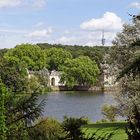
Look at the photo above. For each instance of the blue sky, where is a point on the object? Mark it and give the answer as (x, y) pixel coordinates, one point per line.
(70, 22)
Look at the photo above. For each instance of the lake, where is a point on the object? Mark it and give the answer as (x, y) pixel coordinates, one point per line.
(76, 104)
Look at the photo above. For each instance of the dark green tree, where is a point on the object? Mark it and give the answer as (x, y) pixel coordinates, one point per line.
(73, 127)
(17, 114)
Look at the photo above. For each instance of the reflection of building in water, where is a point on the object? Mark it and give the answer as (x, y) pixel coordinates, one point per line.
(52, 77)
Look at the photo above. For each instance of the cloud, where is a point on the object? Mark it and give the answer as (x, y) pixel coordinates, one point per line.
(135, 5)
(109, 22)
(66, 40)
(39, 24)
(39, 3)
(10, 3)
(40, 33)
(12, 31)
(23, 3)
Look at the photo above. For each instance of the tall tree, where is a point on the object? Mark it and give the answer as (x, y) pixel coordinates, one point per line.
(79, 71)
(128, 43)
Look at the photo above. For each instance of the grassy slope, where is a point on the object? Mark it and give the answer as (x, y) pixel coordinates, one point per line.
(117, 127)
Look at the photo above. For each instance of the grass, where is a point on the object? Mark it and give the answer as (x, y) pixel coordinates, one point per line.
(118, 128)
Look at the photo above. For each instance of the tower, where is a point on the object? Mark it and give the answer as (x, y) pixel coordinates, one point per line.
(103, 39)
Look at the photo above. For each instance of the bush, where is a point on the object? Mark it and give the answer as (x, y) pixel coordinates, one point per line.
(47, 129)
(109, 112)
(73, 127)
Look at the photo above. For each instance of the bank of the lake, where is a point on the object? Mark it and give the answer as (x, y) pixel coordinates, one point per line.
(76, 104)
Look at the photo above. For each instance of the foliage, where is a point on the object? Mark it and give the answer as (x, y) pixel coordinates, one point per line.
(129, 100)
(95, 53)
(109, 112)
(17, 113)
(73, 127)
(3, 128)
(26, 55)
(55, 57)
(133, 68)
(47, 129)
(75, 130)
(79, 71)
(13, 77)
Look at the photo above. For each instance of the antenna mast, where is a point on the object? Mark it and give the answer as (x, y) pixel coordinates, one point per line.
(103, 39)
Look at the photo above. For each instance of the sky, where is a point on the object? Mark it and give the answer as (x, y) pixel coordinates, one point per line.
(71, 22)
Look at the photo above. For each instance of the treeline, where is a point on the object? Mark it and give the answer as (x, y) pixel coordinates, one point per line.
(95, 53)
(78, 65)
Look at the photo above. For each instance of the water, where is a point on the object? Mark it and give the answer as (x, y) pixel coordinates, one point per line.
(76, 104)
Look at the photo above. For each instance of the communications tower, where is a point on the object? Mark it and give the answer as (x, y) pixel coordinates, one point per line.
(103, 38)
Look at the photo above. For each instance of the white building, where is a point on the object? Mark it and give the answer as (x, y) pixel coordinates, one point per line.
(53, 77)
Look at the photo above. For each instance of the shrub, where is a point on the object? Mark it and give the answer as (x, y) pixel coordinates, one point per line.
(47, 129)
(73, 127)
(109, 112)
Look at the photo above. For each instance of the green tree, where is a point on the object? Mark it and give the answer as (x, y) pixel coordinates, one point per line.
(14, 77)
(26, 55)
(55, 57)
(79, 71)
(17, 114)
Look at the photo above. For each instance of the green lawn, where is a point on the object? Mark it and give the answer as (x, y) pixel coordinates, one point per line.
(118, 128)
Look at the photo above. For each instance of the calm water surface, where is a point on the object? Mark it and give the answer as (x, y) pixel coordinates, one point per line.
(76, 104)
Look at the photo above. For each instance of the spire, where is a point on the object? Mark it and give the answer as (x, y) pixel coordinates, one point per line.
(103, 39)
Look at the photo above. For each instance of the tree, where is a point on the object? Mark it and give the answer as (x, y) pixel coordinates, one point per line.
(79, 71)
(17, 114)
(129, 98)
(26, 55)
(13, 76)
(55, 57)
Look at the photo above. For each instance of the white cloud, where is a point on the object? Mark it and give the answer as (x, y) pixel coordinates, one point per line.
(10, 3)
(12, 31)
(24, 3)
(66, 40)
(39, 3)
(109, 22)
(40, 33)
(39, 24)
(135, 5)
